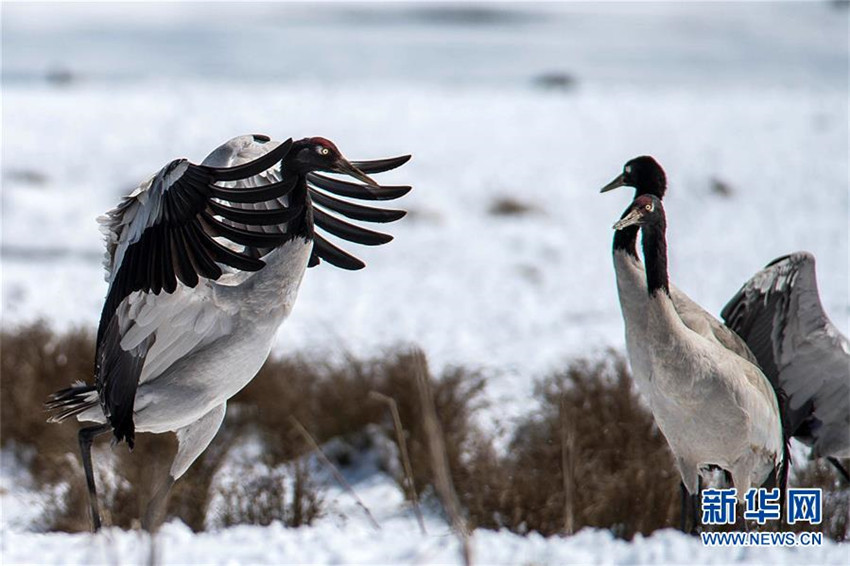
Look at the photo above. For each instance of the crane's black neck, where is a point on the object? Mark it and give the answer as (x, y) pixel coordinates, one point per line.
(655, 255)
(302, 225)
(625, 240)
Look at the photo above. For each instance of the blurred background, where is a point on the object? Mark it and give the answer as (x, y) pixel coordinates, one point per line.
(501, 45)
(516, 114)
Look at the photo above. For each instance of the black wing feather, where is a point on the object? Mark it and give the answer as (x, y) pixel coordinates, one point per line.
(242, 236)
(250, 168)
(356, 190)
(223, 254)
(348, 231)
(335, 256)
(779, 314)
(204, 265)
(255, 217)
(183, 265)
(381, 165)
(169, 283)
(356, 211)
(117, 394)
(260, 194)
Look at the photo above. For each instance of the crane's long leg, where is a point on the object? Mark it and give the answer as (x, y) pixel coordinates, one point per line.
(690, 488)
(192, 441)
(86, 437)
(695, 507)
(690, 508)
(155, 511)
(684, 498)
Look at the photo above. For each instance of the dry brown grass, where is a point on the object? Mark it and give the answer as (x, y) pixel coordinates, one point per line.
(262, 498)
(34, 363)
(590, 455)
(619, 468)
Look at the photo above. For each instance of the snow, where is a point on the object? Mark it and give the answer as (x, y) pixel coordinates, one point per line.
(343, 536)
(754, 96)
(398, 542)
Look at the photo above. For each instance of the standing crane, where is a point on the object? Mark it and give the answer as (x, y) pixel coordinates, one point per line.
(714, 406)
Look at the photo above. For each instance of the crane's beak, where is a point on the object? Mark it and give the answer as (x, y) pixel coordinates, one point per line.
(632, 218)
(620, 181)
(345, 167)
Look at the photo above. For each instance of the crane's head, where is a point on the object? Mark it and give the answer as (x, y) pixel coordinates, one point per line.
(320, 154)
(645, 210)
(644, 174)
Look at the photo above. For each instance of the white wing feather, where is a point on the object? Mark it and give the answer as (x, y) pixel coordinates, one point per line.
(124, 224)
(178, 324)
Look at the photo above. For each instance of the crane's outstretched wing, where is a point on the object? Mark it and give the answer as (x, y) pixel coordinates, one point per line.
(323, 203)
(779, 314)
(166, 229)
(170, 233)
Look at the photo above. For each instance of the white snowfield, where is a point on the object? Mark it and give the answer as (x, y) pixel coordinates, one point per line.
(343, 535)
(740, 99)
(398, 542)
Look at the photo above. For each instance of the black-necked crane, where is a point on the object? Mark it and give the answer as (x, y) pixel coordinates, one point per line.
(647, 177)
(778, 312)
(204, 263)
(714, 406)
(781, 300)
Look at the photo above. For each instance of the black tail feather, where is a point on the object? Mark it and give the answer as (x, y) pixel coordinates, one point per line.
(71, 401)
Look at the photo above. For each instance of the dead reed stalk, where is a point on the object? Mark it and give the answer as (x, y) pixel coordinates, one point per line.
(439, 458)
(568, 469)
(334, 470)
(410, 488)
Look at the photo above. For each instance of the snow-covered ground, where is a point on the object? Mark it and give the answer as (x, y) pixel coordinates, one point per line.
(397, 542)
(344, 535)
(757, 101)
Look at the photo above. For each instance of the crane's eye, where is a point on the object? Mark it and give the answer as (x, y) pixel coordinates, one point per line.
(648, 207)
(628, 169)
(323, 150)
